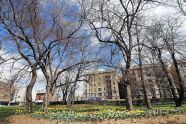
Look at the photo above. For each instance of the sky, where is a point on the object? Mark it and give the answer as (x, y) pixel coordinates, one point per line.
(40, 85)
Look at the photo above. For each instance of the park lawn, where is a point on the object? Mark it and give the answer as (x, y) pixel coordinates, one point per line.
(6, 111)
(91, 113)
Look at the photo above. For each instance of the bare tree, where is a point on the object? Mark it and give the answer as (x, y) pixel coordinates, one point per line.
(24, 22)
(139, 50)
(169, 29)
(15, 20)
(68, 80)
(157, 37)
(160, 77)
(182, 6)
(113, 23)
(71, 54)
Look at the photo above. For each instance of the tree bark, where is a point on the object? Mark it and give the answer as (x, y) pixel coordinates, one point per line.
(64, 99)
(109, 87)
(146, 98)
(48, 87)
(29, 91)
(160, 91)
(170, 81)
(127, 87)
(180, 81)
(48, 95)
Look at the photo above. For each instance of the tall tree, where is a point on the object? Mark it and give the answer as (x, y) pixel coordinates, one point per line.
(17, 18)
(113, 23)
(139, 50)
(169, 29)
(158, 36)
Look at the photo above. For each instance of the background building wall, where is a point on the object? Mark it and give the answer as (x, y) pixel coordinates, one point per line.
(103, 85)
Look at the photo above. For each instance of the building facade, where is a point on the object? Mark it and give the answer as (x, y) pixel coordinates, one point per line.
(40, 97)
(155, 80)
(19, 95)
(103, 85)
(5, 90)
(108, 85)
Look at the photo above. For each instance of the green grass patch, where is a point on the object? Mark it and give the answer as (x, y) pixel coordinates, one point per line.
(6, 111)
(87, 112)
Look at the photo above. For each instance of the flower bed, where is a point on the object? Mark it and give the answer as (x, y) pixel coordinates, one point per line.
(100, 113)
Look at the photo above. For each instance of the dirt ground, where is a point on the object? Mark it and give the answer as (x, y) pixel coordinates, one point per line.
(171, 119)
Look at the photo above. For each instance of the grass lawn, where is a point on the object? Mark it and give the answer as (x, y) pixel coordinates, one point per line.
(6, 111)
(92, 113)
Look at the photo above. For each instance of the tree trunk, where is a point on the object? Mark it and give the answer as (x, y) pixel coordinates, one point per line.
(108, 87)
(47, 92)
(160, 91)
(127, 87)
(129, 104)
(170, 81)
(146, 98)
(64, 99)
(29, 91)
(48, 95)
(180, 81)
(12, 92)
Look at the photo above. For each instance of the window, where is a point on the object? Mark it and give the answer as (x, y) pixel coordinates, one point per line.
(99, 89)
(99, 84)
(90, 78)
(100, 94)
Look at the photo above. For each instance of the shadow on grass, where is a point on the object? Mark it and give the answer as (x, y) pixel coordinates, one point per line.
(4, 114)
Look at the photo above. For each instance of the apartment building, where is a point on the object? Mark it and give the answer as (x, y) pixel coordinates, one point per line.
(103, 85)
(155, 79)
(19, 95)
(4, 92)
(108, 85)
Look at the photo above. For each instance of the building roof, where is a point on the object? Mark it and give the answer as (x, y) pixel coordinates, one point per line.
(144, 66)
(100, 72)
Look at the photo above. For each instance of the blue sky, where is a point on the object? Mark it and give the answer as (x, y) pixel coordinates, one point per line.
(69, 16)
